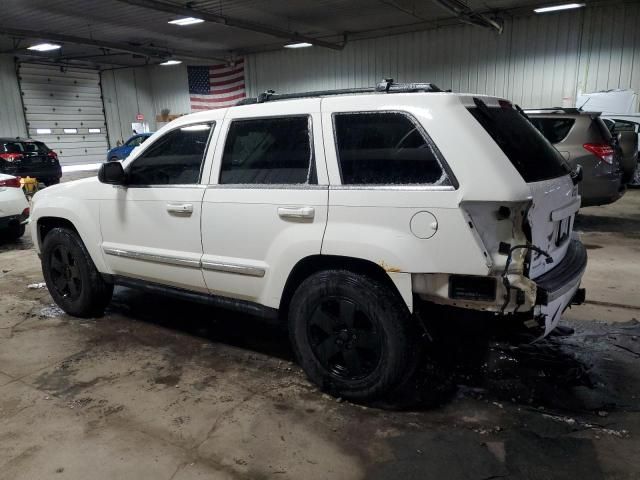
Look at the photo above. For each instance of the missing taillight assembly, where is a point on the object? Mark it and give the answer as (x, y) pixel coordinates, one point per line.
(601, 150)
(469, 287)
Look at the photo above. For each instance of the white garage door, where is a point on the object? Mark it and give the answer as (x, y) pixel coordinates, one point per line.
(63, 108)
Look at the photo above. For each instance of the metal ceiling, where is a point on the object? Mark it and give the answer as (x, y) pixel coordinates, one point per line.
(120, 33)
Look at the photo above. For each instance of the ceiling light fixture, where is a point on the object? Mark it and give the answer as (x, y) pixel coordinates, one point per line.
(555, 8)
(171, 62)
(186, 21)
(299, 45)
(44, 47)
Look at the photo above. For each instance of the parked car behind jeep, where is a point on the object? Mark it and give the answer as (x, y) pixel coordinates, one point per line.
(584, 139)
(627, 128)
(123, 151)
(356, 218)
(23, 157)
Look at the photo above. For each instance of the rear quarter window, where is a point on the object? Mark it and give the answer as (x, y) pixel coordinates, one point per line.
(526, 148)
(554, 129)
(385, 148)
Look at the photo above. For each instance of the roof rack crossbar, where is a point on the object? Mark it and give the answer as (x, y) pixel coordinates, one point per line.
(386, 86)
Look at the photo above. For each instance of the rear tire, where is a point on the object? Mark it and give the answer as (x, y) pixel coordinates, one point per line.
(352, 334)
(71, 276)
(51, 181)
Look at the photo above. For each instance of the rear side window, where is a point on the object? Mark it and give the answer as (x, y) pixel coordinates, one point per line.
(12, 147)
(174, 159)
(554, 129)
(527, 149)
(268, 151)
(385, 148)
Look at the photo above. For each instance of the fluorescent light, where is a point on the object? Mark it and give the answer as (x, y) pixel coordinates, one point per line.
(43, 131)
(94, 130)
(171, 62)
(299, 45)
(186, 21)
(555, 8)
(44, 47)
(70, 130)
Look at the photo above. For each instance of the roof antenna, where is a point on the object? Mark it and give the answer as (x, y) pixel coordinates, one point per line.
(587, 101)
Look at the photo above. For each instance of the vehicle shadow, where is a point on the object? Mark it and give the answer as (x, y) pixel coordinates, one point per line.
(561, 373)
(603, 223)
(210, 323)
(8, 244)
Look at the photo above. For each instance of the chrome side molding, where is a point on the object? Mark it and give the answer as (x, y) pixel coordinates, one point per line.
(234, 268)
(187, 262)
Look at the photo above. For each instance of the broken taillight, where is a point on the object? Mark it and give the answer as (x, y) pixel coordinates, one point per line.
(601, 150)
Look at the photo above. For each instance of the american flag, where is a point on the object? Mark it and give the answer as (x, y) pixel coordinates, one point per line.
(216, 86)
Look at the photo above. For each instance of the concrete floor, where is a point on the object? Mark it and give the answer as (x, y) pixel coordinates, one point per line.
(162, 389)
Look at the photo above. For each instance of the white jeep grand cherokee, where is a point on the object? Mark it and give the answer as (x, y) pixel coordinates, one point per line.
(347, 213)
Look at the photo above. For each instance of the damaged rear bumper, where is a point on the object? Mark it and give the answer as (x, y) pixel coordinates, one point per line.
(559, 288)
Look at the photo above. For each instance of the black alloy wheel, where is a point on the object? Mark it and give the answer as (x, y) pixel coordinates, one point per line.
(65, 273)
(344, 339)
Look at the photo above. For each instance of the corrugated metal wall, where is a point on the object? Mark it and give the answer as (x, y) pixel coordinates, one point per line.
(539, 60)
(170, 89)
(145, 90)
(126, 93)
(12, 122)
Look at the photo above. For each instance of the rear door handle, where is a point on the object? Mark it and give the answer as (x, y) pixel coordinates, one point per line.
(296, 213)
(180, 208)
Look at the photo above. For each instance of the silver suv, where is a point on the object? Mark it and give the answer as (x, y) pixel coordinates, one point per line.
(584, 139)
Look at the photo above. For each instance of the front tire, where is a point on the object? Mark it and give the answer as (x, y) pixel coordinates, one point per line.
(352, 334)
(71, 276)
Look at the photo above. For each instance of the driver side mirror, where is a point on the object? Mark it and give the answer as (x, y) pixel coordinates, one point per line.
(112, 173)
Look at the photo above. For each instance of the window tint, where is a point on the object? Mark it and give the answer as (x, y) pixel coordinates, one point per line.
(385, 148)
(554, 129)
(12, 147)
(23, 147)
(174, 159)
(527, 149)
(622, 126)
(268, 151)
(134, 142)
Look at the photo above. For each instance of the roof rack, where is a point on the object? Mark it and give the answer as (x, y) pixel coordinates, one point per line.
(555, 109)
(386, 86)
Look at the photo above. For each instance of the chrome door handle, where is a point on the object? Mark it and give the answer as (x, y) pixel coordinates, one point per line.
(180, 208)
(297, 213)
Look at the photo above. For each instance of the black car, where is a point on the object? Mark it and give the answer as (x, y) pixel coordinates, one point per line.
(29, 158)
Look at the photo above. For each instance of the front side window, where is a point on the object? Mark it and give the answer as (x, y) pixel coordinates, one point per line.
(174, 159)
(268, 151)
(385, 148)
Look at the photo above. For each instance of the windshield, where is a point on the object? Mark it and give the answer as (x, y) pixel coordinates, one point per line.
(527, 149)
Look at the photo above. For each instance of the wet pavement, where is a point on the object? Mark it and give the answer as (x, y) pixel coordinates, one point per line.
(159, 388)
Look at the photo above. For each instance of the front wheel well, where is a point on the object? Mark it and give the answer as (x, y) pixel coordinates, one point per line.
(46, 224)
(316, 263)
